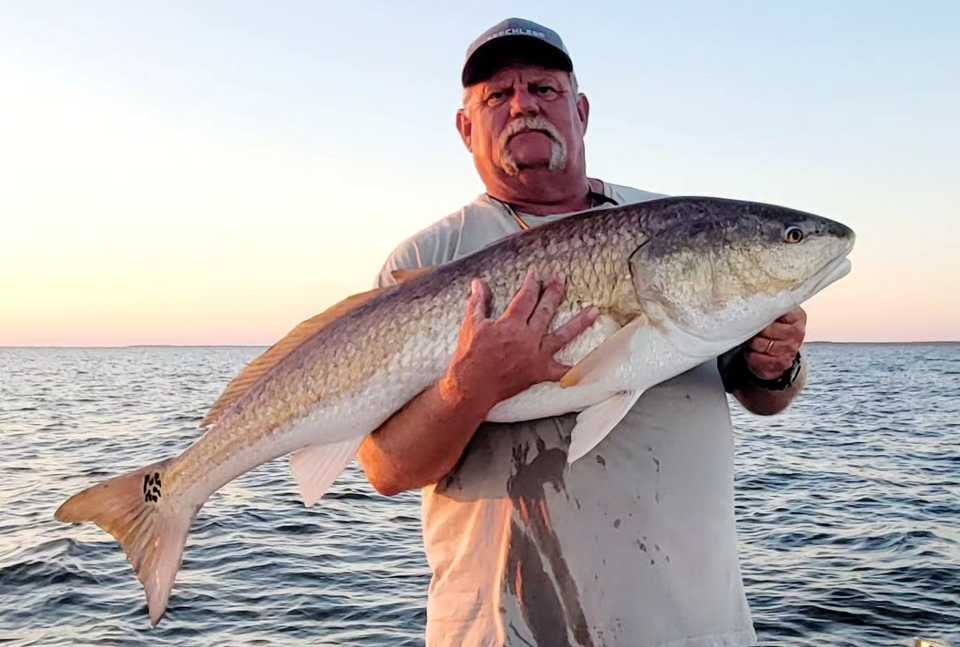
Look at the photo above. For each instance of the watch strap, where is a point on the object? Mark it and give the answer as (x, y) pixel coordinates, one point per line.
(736, 375)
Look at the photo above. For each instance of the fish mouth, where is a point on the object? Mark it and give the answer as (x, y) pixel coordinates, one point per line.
(829, 273)
(837, 268)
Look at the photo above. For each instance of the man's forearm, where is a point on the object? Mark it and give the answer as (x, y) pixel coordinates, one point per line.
(421, 443)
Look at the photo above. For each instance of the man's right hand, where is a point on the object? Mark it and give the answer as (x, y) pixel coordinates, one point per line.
(498, 358)
(494, 360)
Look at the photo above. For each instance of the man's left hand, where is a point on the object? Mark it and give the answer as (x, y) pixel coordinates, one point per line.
(773, 350)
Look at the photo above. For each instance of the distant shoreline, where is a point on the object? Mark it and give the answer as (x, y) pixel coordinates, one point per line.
(131, 346)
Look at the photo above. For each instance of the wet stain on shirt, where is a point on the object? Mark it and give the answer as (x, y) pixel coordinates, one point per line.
(550, 602)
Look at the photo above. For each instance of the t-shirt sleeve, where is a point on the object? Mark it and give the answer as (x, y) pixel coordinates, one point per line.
(405, 257)
(628, 195)
(430, 247)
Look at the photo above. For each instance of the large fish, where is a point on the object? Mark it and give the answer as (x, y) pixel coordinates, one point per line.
(677, 282)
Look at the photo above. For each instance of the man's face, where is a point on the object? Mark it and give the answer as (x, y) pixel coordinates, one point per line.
(524, 118)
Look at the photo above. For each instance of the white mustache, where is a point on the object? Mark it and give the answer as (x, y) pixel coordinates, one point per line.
(524, 124)
(558, 152)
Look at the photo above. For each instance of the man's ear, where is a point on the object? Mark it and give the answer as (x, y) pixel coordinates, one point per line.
(583, 110)
(464, 127)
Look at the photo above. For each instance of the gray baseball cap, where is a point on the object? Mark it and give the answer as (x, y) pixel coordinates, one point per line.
(511, 39)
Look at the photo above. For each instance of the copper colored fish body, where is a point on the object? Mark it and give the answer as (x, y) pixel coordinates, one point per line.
(677, 281)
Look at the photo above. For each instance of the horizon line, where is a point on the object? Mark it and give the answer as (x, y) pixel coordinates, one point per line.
(121, 346)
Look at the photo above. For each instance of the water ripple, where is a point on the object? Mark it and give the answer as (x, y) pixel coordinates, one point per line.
(848, 509)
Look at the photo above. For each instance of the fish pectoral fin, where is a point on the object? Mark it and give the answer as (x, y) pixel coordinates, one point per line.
(595, 422)
(316, 467)
(605, 358)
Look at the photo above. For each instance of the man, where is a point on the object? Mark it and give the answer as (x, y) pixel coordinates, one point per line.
(635, 543)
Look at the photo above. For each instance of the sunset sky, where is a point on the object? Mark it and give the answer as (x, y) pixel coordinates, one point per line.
(213, 173)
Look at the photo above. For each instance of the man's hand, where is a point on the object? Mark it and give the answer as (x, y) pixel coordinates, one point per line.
(494, 360)
(772, 351)
(498, 358)
(768, 356)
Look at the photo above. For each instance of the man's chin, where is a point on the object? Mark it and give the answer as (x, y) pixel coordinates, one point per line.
(531, 167)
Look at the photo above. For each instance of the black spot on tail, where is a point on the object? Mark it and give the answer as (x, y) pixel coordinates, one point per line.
(151, 487)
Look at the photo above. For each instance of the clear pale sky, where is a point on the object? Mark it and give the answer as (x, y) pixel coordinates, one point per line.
(213, 173)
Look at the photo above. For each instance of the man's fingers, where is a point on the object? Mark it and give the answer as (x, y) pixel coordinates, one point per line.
(478, 305)
(568, 331)
(547, 307)
(761, 344)
(781, 331)
(775, 347)
(556, 370)
(525, 300)
(766, 367)
(795, 315)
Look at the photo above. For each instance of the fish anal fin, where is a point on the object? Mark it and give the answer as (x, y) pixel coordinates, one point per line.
(260, 366)
(403, 275)
(150, 525)
(315, 467)
(595, 422)
(605, 358)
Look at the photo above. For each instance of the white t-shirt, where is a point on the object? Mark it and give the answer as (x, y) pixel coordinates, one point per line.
(633, 545)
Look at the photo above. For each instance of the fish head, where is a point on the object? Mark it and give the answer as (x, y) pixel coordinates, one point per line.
(724, 269)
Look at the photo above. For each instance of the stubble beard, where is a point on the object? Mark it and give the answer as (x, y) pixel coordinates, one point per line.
(558, 148)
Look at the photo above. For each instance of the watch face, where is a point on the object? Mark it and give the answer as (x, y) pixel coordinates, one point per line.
(791, 375)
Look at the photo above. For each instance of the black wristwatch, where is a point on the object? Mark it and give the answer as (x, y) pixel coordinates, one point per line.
(736, 375)
(781, 383)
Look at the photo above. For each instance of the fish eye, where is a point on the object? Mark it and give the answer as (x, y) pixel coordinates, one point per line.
(792, 234)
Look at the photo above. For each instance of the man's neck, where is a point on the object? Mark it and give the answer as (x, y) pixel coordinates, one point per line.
(548, 200)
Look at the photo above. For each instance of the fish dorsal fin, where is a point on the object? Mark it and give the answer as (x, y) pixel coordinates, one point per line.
(259, 367)
(401, 276)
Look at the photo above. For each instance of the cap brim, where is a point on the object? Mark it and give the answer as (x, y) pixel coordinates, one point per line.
(490, 57)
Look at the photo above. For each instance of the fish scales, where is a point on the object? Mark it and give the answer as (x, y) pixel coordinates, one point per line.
(343, 356)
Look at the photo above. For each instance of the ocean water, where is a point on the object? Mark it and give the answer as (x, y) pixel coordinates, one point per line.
(848, 511)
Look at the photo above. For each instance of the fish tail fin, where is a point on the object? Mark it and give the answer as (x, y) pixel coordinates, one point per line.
(150, 526)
